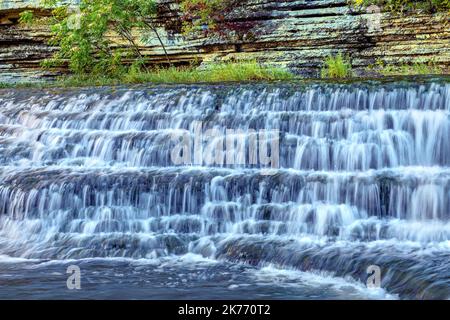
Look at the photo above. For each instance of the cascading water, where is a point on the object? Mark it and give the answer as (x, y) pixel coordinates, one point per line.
(363, 179)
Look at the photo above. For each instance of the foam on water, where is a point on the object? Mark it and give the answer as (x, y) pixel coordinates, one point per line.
(347, 286)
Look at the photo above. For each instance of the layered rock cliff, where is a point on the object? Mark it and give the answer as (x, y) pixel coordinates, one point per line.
(297, 35)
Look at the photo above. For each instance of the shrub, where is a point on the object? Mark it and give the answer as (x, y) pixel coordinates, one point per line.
(83, 38)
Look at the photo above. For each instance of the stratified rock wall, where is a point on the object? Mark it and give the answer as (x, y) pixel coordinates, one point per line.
(293, 34)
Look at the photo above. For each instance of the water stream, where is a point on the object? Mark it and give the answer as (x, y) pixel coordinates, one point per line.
(88, 177)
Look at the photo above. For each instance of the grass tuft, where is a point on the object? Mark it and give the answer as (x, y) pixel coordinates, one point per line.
(336, 67)
(222, 72)
(413, 69)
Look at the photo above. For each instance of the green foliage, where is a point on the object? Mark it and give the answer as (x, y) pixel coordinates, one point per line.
(417, 68)
(84, 36)
(402, 6)
(221, 72)
(26, 17)
(336, 67)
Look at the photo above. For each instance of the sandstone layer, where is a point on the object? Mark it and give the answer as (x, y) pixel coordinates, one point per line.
(297, 35)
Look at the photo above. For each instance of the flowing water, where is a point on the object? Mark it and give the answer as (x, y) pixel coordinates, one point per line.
(88, 178)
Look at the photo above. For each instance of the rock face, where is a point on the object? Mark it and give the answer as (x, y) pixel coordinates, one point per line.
(297, 35)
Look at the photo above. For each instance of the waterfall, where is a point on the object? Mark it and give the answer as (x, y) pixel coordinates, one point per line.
(363, 177)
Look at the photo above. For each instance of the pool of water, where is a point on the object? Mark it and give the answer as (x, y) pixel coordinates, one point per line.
(185, 277)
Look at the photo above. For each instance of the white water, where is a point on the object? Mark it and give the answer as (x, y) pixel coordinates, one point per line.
(364, 178)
